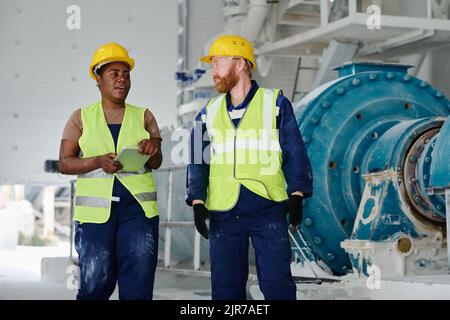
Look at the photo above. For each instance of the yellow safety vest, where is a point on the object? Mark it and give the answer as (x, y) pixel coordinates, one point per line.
(249, 154)
(94, 188)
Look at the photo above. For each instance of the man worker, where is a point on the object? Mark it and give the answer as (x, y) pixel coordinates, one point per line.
(116, 215)
(257, 171)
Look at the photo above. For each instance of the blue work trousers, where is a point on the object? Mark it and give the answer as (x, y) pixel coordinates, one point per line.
(229, 244)
(123, 250)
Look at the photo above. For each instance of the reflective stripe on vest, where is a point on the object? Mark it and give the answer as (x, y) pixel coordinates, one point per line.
(249, 154)
(99, 173)
(94, 188)
(92, 202)
(248, 144)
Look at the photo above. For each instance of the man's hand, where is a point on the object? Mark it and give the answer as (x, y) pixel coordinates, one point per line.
(108, 164)
(147, 147)
(295, 209)
(200, 216)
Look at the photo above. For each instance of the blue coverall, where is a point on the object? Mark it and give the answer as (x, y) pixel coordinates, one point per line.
(124, 249)
(253, 217)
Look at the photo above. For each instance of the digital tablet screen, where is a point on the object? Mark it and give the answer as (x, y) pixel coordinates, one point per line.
(131, 160)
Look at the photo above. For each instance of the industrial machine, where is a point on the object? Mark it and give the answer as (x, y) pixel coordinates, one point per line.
(378, 141)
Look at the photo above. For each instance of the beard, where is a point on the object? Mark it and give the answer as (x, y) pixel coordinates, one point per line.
(226, 83)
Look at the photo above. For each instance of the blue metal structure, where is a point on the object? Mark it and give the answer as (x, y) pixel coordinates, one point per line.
(440, 165)
(372, 130)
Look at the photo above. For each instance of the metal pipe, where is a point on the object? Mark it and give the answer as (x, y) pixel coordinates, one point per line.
(168, 235)
(72, 207)
(318, 280)
(182, 51)
(196, 250)
(429, 9)
(324, 12)
(254, 22)
(49, 211)
(352, 8)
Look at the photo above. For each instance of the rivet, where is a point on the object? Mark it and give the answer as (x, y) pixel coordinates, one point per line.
(330, 256)
(315, 120)
(422, 263)
(308, 222)
(439, 206)
(427, 159)
(438, 94)
(426, 177)
(16, 75)
(340, 91)
(306, 139)
(412, 158)
(372, 76)
(390, 75)
(416, 199)
(424, 84)
(326, 104)
(74, 47)
(406, 77)
(17, 43)
(317, 240)
(356, 82)
(413, 180)
(15, 115)
(130, 19)
(73, 78)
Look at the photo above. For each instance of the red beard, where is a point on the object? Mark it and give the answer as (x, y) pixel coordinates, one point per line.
(225, 84)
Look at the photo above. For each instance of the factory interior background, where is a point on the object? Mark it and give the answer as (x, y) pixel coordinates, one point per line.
(368, 82)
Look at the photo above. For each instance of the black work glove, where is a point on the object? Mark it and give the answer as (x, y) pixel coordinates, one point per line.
(295, 209)
(200, 216)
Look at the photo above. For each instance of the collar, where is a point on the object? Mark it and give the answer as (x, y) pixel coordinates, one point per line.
(247, 99)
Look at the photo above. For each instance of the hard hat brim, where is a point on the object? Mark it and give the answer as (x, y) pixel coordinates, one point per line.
(129, 61)
(207, 59)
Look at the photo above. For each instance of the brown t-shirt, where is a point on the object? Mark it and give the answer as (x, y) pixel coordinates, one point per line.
(74, 126)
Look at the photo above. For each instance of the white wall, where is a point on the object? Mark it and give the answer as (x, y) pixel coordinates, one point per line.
(45, 71)
(205, 20)
(436, 68)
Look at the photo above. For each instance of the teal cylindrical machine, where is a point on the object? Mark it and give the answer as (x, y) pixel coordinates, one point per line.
(371, 136)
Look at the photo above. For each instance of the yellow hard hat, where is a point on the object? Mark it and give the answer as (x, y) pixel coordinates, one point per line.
(233, 46)
(110, 52)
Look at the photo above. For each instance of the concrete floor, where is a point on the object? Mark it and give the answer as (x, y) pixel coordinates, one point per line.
(20, 278)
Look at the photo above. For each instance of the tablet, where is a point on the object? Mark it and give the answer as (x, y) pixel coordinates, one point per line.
(131, 160)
